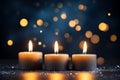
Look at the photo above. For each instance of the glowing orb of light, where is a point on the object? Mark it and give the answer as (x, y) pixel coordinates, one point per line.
(72, 23)
(39, 22)
(88, 34)
(55, 19)
(78, 28)
(113, 37)
(95, 39)
(9, 42)
(109, 14)
(100, 60)
(39, 43)
(103, 27)
(63, 16)
(23, 22)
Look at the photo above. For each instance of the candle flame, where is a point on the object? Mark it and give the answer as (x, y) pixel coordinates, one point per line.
(30, 46)
(56, 47)
(85, 47)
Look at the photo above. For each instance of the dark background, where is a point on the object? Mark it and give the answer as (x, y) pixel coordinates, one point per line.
(12, 11)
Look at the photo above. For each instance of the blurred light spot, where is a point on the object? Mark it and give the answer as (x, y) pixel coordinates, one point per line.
(55, 19)
(46, 24)
(109, 14)
(88, 34)
(39, 43)
(100, 60)
(9, 42)
(34, 26)
(39, 22)
(23, 22)
(41, 31)
(63, 16)
(60, 47)
(95, 39)
(34, 38)
(37, 4)
(72, 23)
(56, 10)
(82, 7)
(103, 27)
(56, 76)
(76, 21)
(60, 5)
(44, 45)
(81, 44)
(78, 28)
(113, 38)
(66, 35)
(56, 33)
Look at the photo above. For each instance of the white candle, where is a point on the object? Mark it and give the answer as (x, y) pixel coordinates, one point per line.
(56, 61)
(84, 62)
(30, 60)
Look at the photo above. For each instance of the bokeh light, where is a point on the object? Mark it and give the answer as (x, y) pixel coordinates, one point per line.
(46, 24)
(109, 14)
(78, 28)
(95, 39)
(82, 7)
(63, 16)
(81, 44)
(43, 45)
(60, 47)
(100, 60)
(66, 35)
(23, 22)
(41, 31)
(56, 10)
(9, 42)
(56, 33)
(103, 27)
(55, 19)
(39, 43)
(76, 21)
(113, 38)
(72, 23)
(39, 22)
(60, 5)
(34, 26)
(88, 34)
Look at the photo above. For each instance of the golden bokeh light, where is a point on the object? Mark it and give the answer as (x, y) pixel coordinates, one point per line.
(66, 35)
(78, 28)
(82, 7)
(39, 22)
(100, 60)
(23, 22)
(113, 38)
(95, 39)
(60, 5)
(63, 16)
(81, 44)
(60, 47)
(55, 19)
(88, 34)
(109, 14)
(39, 43)
(9, 42)
(72, 23)
(76, 21)
(103, 27)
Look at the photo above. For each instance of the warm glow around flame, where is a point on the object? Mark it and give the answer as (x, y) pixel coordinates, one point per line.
(85, 47)
(30, 46)
(56, 47)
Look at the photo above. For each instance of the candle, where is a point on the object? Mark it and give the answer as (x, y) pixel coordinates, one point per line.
(56, 61)
(84, 62)
(30, 60)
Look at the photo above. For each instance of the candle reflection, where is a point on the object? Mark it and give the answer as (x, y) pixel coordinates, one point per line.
(30, 76)
(56, 76)
(85, 76)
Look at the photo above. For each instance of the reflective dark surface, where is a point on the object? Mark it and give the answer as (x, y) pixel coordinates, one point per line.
(12, 72)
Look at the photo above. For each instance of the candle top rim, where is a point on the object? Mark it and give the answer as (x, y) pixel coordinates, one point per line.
(83, 54)
(55, 54)
(30, 52)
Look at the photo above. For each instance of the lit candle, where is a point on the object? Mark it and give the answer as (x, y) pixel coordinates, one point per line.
(30, 60)
(84, 62)
(56, 61)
